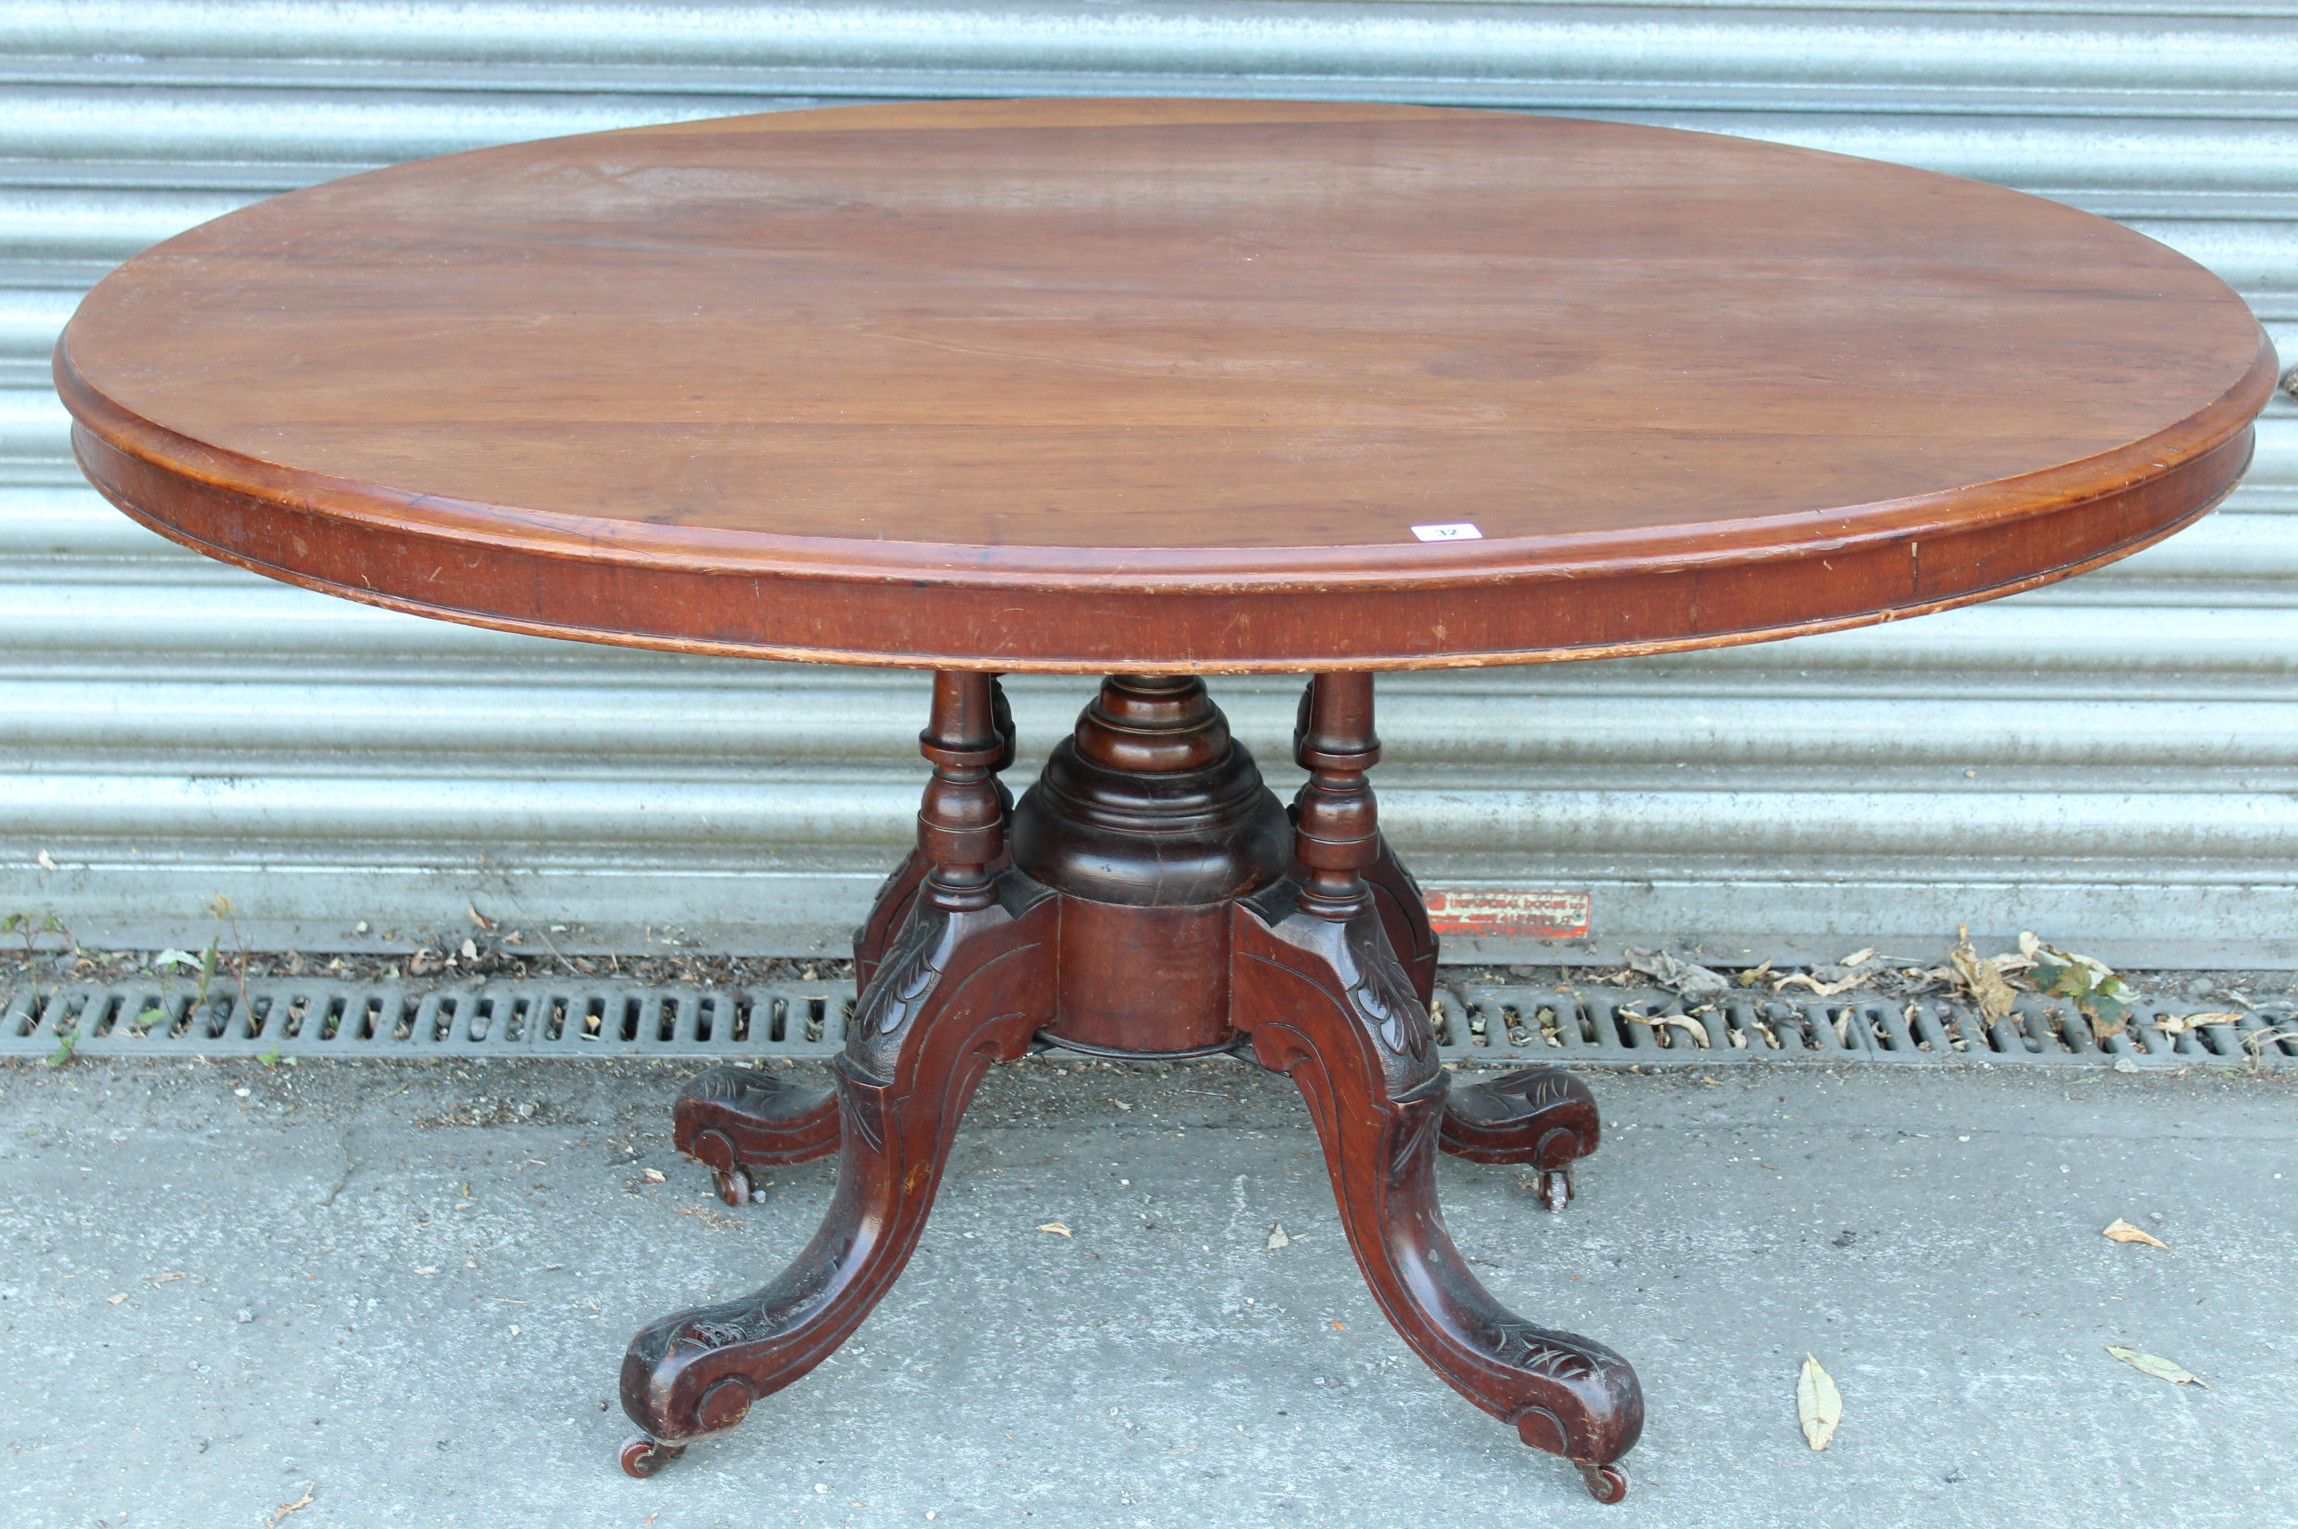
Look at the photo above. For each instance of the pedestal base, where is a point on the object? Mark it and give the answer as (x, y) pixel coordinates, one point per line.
(1147, 897)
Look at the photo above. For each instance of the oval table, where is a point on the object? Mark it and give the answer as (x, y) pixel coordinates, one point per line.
(1158, 389)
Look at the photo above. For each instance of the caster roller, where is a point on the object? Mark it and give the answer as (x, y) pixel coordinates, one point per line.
(1606, 1483)
(643, 1457)
(733, 1184)
(1555, 1188)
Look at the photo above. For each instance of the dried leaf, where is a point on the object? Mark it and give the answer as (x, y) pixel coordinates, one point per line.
(1857, 957)
(1755, 974)
(1277, 1238)
(2120, 1230)
(1690, 1026)
(1818, 1405)
(296, 1506)
(1057, 1229)
(2157, 1366)
(114, 1300)
(1691, 980)
(163, 1279)
(2180, 1024)
(651, 1175)
(1981, 977)
(1823, 989)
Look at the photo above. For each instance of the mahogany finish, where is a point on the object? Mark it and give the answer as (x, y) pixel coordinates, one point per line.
(1154, 900)
(1157, 389)
(1162, 385)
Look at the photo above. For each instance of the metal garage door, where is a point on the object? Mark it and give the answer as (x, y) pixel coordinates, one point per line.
(2111, 761)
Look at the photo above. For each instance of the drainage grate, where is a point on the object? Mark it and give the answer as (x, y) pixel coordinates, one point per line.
(1653, 1029)
(305, 1018)
(310, 1018)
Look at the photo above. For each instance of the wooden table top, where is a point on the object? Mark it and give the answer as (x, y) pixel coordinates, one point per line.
(1162, 385)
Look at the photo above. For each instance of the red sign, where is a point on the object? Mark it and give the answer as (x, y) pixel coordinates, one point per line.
(1524, 915)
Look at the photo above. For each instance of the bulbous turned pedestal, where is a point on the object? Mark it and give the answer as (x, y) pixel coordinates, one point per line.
(1149, 820)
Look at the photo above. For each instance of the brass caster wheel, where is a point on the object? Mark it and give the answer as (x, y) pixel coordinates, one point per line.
(1606, 1483)
(643, 1457)
(733, 1184)
(1555, 1188)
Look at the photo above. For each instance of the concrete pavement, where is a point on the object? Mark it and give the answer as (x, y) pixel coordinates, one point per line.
(405, 1290)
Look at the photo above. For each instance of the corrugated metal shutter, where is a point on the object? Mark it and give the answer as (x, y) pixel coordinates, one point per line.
(2110, 761)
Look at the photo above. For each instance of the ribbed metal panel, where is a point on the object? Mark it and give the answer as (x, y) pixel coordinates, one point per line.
(2110, 761)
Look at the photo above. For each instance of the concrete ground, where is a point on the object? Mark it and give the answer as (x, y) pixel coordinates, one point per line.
(401, 1292)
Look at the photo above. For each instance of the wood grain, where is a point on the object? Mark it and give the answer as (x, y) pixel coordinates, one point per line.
(1108, 384)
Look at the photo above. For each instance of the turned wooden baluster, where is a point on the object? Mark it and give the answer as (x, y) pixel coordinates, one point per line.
(892, 903)
(1338, 829)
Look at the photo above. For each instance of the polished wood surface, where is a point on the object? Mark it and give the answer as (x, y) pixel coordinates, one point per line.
(1147, 896)
(1162, 385)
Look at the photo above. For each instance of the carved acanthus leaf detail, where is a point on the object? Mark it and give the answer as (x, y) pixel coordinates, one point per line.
(1522, 1346)
(899, 990)
(1538, 1090)
(712, 1334)
(1384, 996)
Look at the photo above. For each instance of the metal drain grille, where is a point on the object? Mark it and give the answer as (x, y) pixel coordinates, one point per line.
(302, 1017)
(1653, 1029)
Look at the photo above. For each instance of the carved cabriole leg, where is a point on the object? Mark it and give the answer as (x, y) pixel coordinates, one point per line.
(1316, 983)
(891, 907)
(966, 984)
(736, 1119)
(1542, 1116)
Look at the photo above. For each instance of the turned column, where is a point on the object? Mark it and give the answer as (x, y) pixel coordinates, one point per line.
(961, 820)
(1337, 838)
(1149, 820)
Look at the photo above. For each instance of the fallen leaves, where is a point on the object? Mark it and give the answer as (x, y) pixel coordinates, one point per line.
(2157, 1366)
(651, 1175)
(1692, 981)
(2180, 1024)
(1684, 1022)
(1981, 977)
(1057, 1229)
(1278, 1238)
(297, 1506)
(2120, 1230)
(2103, 997)
(1821, 989)
(1818, 1405)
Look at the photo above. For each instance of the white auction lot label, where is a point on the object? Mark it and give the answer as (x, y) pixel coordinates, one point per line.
(1458, 531)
